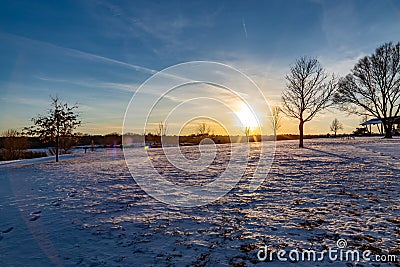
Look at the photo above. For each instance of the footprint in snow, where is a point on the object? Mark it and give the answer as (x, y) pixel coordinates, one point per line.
(34, 218)
(8, 230)
(5, 232)
(35, 215)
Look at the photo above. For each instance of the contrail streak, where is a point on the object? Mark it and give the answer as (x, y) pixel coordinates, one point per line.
(85, 55)
(76, 52)
(244, 27)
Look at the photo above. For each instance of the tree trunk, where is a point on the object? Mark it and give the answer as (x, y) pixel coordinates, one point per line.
(301, 130)
(57, 145)
(388, 130)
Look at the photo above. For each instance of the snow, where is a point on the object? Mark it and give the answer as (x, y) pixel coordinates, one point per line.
(88, 211)
(20, 162)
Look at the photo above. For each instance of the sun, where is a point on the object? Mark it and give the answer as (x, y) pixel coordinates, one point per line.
(247, 117)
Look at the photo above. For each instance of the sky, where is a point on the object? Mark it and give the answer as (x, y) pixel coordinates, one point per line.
(99, 53)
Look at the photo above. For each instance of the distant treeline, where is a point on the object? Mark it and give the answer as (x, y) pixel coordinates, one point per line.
(15, 146)
(282, 137)
(84, 140)
(114, 140)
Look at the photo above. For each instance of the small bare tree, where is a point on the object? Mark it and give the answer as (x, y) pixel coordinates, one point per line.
(161, 129)
(247, 131)
(373, 87)
(336, 126)
(308, 91)
(59, 122)
(277, 118)
(203, 129)
(14, 144)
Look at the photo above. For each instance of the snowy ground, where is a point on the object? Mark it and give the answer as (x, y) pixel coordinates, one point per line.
(88, 211)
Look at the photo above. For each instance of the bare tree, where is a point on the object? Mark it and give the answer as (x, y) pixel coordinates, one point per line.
(247, 131)
(373, 86)
(277, 118)
(308, 91)
(59, 122)
(336, 126)
(14, 144)
(203, 129)
(161, 129)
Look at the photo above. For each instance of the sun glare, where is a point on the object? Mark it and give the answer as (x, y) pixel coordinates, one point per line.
(247, 117)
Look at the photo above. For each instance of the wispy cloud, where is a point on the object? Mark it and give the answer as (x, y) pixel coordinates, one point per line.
(163, 32)
(24, 41)
(21, 40)
(92, 84)
(341, 66)
(29, 101)
(244, 27)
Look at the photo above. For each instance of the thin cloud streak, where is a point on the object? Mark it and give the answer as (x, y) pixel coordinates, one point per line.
(244, 27)
(77, 53)
(93, 84)
(81, 54)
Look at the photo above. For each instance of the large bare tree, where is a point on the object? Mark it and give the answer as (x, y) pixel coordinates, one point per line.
(373, 86)
(308, 90)
(59, 122)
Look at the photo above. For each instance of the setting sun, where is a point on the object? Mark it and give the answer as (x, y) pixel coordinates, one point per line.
(247, 117)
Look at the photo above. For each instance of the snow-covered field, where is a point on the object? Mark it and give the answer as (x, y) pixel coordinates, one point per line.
(88, 211)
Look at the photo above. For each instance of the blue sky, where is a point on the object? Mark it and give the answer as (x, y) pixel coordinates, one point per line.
(97, 53)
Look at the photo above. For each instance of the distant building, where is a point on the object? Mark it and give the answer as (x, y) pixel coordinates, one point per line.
(378, 123)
